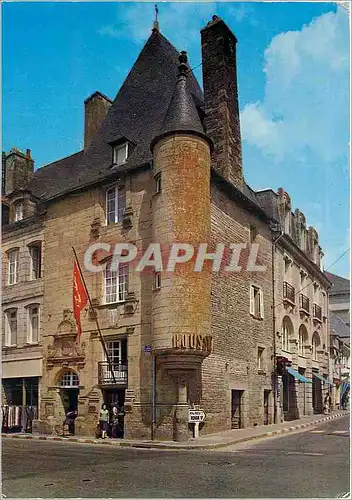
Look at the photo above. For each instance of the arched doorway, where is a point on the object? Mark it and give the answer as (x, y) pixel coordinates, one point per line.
(289, 397)
(317, 387)
(303, 389)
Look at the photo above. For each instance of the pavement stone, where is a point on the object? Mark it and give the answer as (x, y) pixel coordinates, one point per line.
(210, 441)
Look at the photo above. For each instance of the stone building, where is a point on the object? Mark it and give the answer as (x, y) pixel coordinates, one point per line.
(162, 163)
(300, 309)
(22, 292)
(340, 352)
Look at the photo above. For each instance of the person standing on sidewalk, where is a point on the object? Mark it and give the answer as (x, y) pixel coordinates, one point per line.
(104, 420)
(327, 404)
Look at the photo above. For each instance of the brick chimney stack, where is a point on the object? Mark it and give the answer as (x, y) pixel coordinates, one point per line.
(222, 121)
(96, 107)
(19, 170)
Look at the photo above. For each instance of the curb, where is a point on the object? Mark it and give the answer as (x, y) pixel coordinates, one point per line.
(160, 445)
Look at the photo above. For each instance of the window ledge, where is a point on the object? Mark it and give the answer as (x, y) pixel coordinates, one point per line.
(12, 346)
(107, 305)
(256, 317)
(118, 223)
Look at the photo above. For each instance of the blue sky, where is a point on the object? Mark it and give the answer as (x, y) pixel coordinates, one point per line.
(293, 71)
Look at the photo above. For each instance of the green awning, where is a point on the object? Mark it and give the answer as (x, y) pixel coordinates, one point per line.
(320, 378)
(297, 375)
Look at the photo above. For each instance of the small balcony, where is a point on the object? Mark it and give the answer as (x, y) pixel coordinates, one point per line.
(289, 292)
(115, 377)
(317, 312)
(304, 303)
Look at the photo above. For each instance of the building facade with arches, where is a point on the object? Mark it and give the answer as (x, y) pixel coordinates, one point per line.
(301, 317)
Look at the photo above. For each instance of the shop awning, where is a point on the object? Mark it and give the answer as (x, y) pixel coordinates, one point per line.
(320, 378)
(297, 375)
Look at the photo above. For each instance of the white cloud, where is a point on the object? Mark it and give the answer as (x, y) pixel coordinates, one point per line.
(306, 103)
(179, 21)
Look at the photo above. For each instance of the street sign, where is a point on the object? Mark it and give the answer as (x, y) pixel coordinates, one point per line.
(196, 416)
(148, 348)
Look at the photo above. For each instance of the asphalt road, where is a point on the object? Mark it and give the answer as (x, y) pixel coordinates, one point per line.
(309, 464)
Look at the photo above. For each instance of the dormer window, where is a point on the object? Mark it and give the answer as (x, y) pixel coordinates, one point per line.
(120, 154)
(18, 211)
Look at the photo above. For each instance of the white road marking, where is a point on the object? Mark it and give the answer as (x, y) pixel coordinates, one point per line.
(303, 453)
(340, 432)
(317, 432)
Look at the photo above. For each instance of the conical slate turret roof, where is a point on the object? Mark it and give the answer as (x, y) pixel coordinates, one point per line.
(182, 114)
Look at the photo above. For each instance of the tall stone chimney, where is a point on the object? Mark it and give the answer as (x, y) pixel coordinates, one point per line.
(222, 121)
(19, 170)
(96, 107)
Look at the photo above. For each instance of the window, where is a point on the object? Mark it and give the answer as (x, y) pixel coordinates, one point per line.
(18, 211)
(315, 346)
(69, 379)
(252, 233)
(302, 339)
(33, 324)
(11, 327)
(157, 183)
(12, 276)
(114, 351)
(116, 283)
(120, 154)
(115, 205)
(256, 302)
(286, 333)
(35, 252)
(157, 281)
(261, 358)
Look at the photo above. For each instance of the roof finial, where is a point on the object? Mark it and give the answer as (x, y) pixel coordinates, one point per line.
(182, 67)
(156, 22)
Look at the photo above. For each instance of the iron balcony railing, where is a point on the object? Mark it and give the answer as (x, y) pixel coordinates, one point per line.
(317, 312)
(289, 292)
(106, 376)
(304, 303)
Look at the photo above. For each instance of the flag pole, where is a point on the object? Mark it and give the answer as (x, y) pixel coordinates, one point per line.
(95, 317)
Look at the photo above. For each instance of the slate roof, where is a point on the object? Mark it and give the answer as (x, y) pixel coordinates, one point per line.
(136, 114)
(340, 284)
(182, 114)
(151, 100)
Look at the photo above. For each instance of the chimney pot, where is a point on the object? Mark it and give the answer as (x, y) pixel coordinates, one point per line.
(28, 153)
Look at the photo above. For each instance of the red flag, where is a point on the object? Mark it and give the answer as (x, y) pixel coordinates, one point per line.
(80, 298)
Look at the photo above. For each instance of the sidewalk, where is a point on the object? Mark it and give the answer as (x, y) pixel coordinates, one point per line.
(210, 441)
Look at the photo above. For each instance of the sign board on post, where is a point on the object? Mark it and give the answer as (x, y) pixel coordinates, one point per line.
(148, 348)
(196, 416)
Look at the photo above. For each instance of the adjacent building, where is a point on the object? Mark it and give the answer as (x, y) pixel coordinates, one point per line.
(340, 354)
(162, 163)
(22, 294)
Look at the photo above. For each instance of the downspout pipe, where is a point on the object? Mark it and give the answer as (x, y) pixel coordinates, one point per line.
(273, 251)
